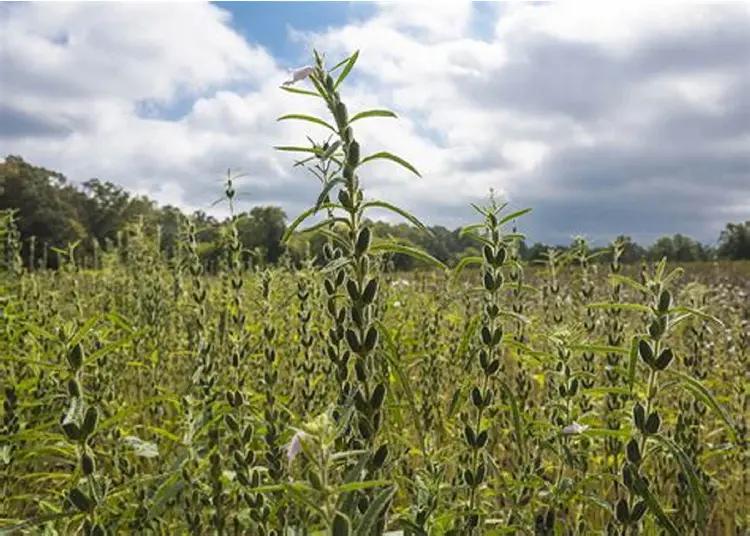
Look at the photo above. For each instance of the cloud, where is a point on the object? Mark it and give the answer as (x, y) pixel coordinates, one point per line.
(613, 120)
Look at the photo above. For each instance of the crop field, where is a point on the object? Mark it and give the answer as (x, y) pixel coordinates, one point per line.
(576, 396)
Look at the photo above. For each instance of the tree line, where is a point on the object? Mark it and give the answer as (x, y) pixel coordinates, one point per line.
(50, 212)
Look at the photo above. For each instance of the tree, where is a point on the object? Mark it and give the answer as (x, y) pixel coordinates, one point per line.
(734, 241)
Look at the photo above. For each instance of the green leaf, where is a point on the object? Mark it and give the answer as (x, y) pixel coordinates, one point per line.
(516, 414)
(308, 118)
(322, 224)
(369, 520)
(705, 396)
(295, 149)
(401, 212)
(698, 313)
(372, 113)
(347, 69)
(617, 278)
(466, 261)
(302, 217)
(656, 509)
(356, 486)
(390, 247)
(144, 449)
(470, 228)
(622, 306)
(384, 155)
(696, 489)
(83, 330)
(514, 215)
(299, 91)
(633, 361)
(392, 355)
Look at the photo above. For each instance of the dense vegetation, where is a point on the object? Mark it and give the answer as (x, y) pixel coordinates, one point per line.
(52, 212)
(331, 394)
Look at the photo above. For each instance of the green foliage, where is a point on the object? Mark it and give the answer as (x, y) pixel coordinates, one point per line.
(188, 385)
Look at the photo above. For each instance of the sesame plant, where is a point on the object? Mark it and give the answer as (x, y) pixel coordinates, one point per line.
(148, 392)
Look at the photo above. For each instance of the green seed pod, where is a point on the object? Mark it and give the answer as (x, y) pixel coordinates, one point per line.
(486, 336)
(476, 397)
(371, 290)
(231, 423)
(371, 339)
(622, 511)
(497, 336)
(87, 464)
(353, 159)
(75, 357)
(89, 421)
(493, 367)
(98, 530)
(484, 358)
(488, 254)
(341, 525)
(471, 437)
(573, 387)
(247, 435)
(653, 423)
(658, 327)
(315, 480)
(492, 310)
(380, 456)
(239, 460)
(639, 416)
(482, 439)
(74, 388)
(645, 351)
(664, 359)
(352, 290)
(330, 290)
(329, 83)
(353, 340)
(634, 452)
(638, 510)
(489, 281)
(342, 116)
(359, 370)
(481, 471)
(500, 257)
(665, 301)
(378, 395)
(344, 199)
(80, 500)
(628, 476)
(363, 242)
(365, 430)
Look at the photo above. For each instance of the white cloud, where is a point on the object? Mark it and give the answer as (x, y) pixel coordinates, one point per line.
(562, 103)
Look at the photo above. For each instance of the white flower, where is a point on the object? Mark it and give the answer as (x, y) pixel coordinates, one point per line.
(575, 428)
(397, 304)
(295, 446)
(300, 74)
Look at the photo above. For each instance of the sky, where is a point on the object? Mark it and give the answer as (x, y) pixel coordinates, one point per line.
(605, 118)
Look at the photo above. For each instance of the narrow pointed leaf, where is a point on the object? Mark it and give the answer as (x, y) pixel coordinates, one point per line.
(383, 155)
(389, 247)
(372, 113)
(347, 69)
(401, 212)
(308, 118)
